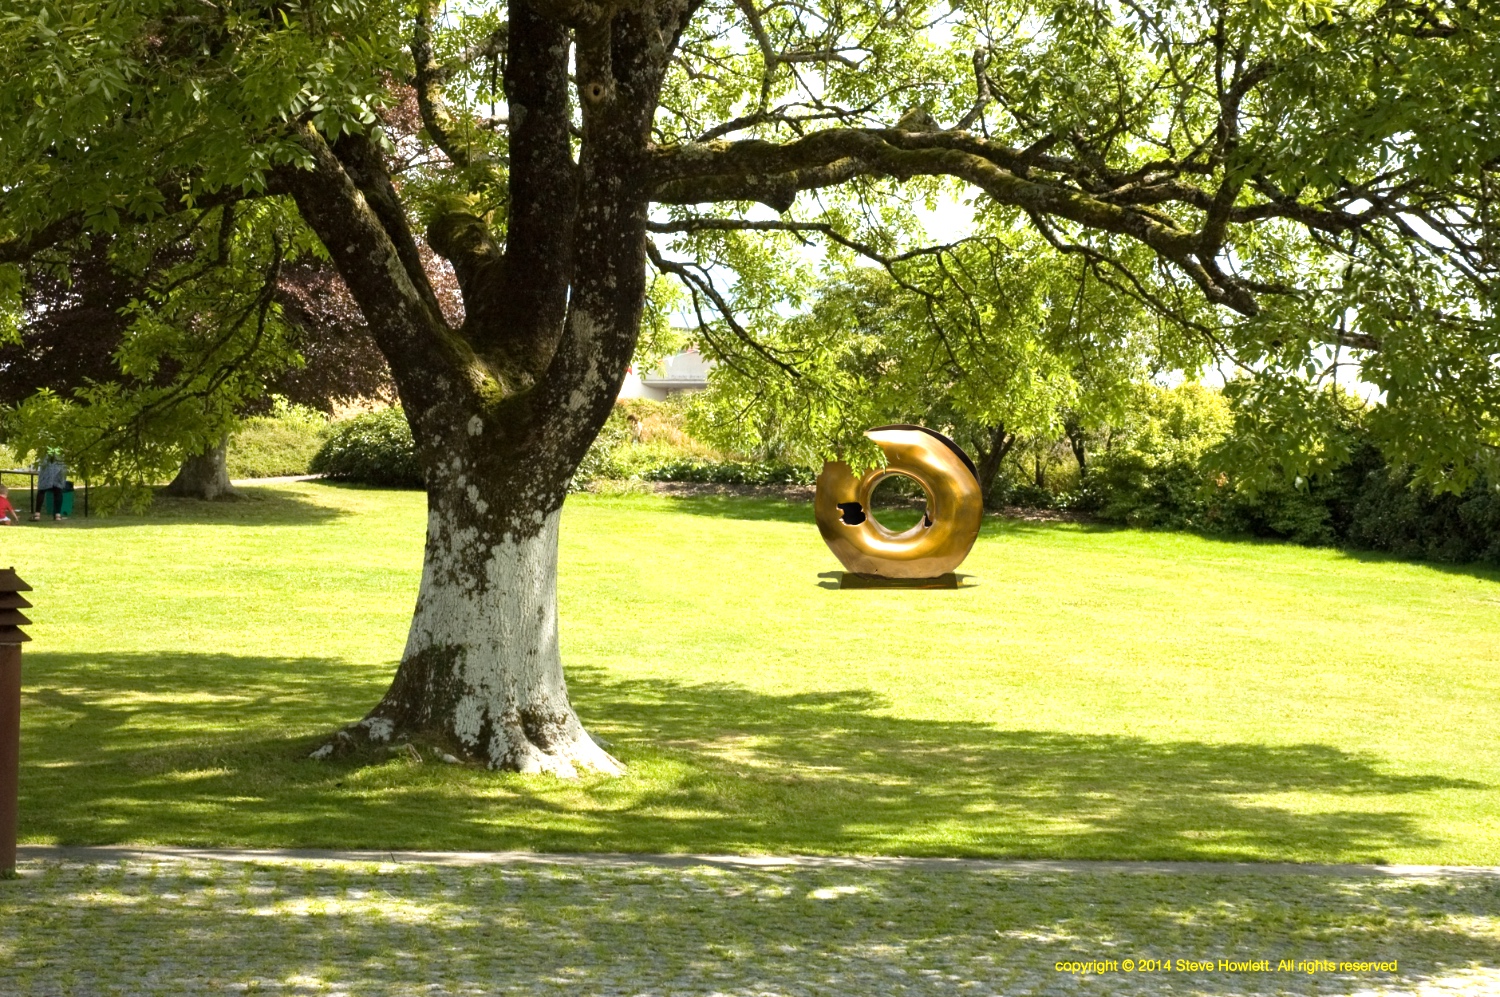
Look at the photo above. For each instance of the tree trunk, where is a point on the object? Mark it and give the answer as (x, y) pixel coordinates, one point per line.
(990, 458)
(205, 476)
(1077, 441)
(1041, 474)
(481, 677)
(504, 408)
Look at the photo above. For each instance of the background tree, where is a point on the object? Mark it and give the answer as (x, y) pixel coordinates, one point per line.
(79, 321)
(997, 340)
(200, 336)
(1270, 156)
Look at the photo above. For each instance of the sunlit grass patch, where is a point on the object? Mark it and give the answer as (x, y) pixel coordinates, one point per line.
(1092, 693)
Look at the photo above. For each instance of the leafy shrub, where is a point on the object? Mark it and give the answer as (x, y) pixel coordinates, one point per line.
(1386, 513)
(1009, 490)
(646, 441)
(1173, 466)
(1176, 467)
(375, 448)
(1151, 474)
(730, 472)
(1282, 510)
(598, 463)
(636, 461)
(282, 442)
(613, 457)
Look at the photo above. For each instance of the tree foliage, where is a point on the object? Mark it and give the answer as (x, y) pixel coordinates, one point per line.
(992, 340)
(1323, 170)
(201, 334)
(131, 366)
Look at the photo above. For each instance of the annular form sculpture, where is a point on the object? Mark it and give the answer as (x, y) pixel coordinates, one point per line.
(933, 547)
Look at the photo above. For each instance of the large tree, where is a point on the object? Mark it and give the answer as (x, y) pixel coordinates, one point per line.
(138, 351)
(1304, 174)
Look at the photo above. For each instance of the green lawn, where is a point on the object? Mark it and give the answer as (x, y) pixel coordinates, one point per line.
(1090, 693)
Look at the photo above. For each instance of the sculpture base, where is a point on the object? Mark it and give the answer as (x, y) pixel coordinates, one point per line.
(853, 580)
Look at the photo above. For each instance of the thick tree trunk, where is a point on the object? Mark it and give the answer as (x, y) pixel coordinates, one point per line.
(504, 408)
(481, 676)
(205, 476)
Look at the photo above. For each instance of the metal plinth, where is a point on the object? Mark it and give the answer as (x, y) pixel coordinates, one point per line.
(853, 580)
(10, 752)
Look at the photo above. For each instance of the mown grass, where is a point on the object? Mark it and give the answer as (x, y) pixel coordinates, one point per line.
(1090, 693)
(268, 446)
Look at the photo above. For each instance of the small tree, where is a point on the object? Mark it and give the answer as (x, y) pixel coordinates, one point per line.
(118, 336)
(995, 340)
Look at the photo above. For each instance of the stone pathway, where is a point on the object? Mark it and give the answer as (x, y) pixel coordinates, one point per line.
(176, 921)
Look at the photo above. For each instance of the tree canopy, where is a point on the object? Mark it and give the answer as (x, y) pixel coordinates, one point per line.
(132, 354)
(1321, 171)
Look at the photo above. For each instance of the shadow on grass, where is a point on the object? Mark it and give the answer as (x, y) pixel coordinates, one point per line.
(519, 930)
(258, 506)
(211, 749)
(1483, 572)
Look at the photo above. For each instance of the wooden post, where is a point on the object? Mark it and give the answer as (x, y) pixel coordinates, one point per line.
(11, 638)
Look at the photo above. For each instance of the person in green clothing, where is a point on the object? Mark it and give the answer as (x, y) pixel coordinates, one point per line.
(51, 478)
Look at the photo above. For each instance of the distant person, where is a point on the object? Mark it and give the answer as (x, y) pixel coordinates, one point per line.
(8, 512)
(51, 478)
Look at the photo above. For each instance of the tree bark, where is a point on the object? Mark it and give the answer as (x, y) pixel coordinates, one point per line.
(205, 476)
(481, 677)
(1079, 444)
(991, 455)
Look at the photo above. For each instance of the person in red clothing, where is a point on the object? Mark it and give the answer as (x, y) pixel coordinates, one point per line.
(8, 512)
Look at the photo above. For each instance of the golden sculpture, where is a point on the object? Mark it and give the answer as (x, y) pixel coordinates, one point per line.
(930, 549)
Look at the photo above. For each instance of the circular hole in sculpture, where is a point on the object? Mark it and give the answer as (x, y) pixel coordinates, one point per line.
(898, 502)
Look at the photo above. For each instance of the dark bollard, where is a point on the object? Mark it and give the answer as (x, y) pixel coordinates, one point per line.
(11, 638)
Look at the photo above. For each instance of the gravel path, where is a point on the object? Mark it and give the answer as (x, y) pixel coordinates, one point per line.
(181, 921)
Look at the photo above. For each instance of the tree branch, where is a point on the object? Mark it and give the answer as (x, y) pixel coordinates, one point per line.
(406, 323)
(699, 282)
(765, 171)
